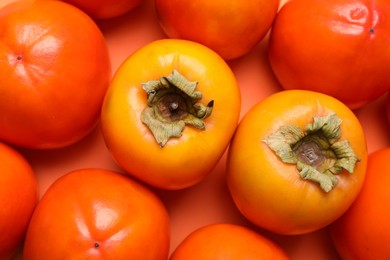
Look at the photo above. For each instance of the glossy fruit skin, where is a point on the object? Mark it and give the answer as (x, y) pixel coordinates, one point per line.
(54, 88)
(96, 213)
(231, 28)
(18, 198)
(229, 242)
(363, 231)
(269, 192)
(183, 161)
(337, 47)
(105, 9)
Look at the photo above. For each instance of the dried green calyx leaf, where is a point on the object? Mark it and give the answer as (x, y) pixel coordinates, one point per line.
(172, 104)
(317, 151)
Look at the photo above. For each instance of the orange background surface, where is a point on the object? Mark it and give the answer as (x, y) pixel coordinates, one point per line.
(209, 201)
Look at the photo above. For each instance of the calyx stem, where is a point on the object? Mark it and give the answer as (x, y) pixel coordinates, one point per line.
(172, 104)
(318, 153)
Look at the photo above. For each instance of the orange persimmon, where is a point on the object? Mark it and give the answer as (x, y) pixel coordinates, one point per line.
(296, 162)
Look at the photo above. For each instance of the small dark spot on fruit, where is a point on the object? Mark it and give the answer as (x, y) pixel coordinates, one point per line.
(372, 30)
(96, 245)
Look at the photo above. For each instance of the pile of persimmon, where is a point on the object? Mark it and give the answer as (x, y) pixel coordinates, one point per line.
(296, 162)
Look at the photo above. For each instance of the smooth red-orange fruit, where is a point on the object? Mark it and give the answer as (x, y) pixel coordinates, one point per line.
(56, 69)
(228, 242)
(98, 214)
(18, 198)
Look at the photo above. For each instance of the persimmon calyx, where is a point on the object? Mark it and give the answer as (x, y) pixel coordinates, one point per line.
(318, 153)
(172, 104)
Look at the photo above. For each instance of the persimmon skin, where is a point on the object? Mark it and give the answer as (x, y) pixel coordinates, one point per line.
(18, 198)
(105, 9)
(97, 213)
(337, 47)
(269, 192)
(231, 28)
(229, 242)
(57, 69)
(186, 160)
(363, 231)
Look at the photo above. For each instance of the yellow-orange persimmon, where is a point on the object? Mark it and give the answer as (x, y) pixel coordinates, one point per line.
(297, 161)
(170, 112)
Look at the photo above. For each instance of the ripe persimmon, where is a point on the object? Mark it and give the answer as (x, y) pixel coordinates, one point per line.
(230, 28)
(363, 231)
(337, 47)
(296, 162)
(98, 213)
(105, 9)
(18, 198)
(56, 70)
(170, 112)
(228, 242)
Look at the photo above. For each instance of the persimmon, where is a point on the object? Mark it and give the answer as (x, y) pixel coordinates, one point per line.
(229, 242)
(105, 9)
(363, 231)
(18, 198)
(56, 70)
(231, 28)
(296, 162)
(170, 112)
(97, 213)
(337, 47)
